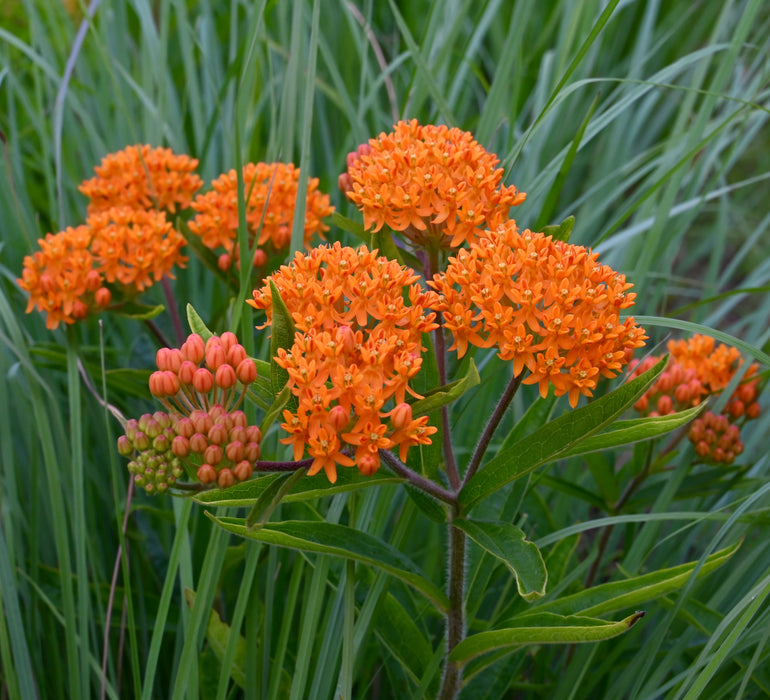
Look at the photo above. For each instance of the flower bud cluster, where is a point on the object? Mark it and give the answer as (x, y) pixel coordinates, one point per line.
(716, 439)
(697, 369)
(201, 384)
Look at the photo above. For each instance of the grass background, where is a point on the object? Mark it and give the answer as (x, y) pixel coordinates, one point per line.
(646, 120)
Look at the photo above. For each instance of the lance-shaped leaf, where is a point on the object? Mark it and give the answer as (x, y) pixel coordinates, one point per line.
(626, 432)
(282, 337)
(340, 541)
(278, 404)
(137, 311)
(510, 545)
(446, 394)
(617, 595)
(556, 439)
(542, 628)
(245, 494)
(196, 323)
(354, 227)
(271, 497)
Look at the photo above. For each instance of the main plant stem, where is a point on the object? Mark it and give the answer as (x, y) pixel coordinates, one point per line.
(451, 682)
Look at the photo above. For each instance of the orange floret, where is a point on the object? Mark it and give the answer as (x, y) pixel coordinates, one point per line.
(271, 189)
(358, 344)
(548, 306)
(434, 183)
(143, 177)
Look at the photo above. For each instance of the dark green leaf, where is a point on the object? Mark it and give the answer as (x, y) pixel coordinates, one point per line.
(509, 544)
(282, 338)
(271, 497)
(428, 505)
(137, 311)
(562, 231)
(354, 227)
(555, 439)
(538, 628)
(447, 394)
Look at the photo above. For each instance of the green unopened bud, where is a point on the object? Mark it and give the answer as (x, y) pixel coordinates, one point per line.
(141, 441)
(124, 446)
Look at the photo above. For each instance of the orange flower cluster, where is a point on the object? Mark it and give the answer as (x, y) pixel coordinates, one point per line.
(66, 277)
(547, 305)
(357, 345)
(142, 177)
(126, 239)
(436, 184)
(695, 370)
(62, 277)
(201, 385)
(271, 195)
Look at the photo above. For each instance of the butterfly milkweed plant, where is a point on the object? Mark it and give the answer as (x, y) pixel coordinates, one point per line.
(397, 438)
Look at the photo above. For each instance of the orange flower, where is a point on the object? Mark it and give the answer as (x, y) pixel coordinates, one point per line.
(143, 177)
(696, 369)
(135, 247)
(436, 184)
(547, 305)
(271, 189)
(357, 346)
(64, 278)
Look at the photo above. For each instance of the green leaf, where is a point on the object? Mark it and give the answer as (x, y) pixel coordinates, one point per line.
(270, 498)
(340, 541)
(137, 311)
(278, 404)
(217, 634)
(555, 439)
(609, 597)
(448, 393)
(282, 337)
(354, 227)
(246, 493)
(196, 323)
(542, 628)
(382, 241)
(627, 432)
(510, 545)
(562, 231)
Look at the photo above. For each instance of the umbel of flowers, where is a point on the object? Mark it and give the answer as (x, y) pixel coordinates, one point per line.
(126, 243)
(546, 305)
(201, 386)
(435, 184)
(357, 346)
(270, 194)
(699, 368)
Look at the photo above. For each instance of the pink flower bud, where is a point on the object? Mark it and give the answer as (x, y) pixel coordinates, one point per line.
(218, 434)
(401, 416)
(186, 372)
(235, 451)
(162, 358)
(368, 463)
(753, 410)
(236, 354)
(339, 418)
(207, 474)
(125, 447)
(180, 446)
(238, 419)
(224, 261)
(184, 427)
(93, 280)
(243, 470)
(260, 258)
(156, 384)
(198, 443)
(225, 377)
(213, 454)
(193, 349)
(203, 381)
(665, 405)
(160, 443)
(141, 441)
(246, 371)
(252, 452)
(238, 434)
(253, 434)
(226, 478)
(103, 297)
(215, 356)
(216, 412)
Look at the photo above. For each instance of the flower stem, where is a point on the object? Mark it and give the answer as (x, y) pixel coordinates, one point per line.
(489, 430)
(426, 485)
(451, 681)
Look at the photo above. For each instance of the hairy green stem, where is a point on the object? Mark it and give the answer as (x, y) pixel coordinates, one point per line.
(452, 679)
(426, 485)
